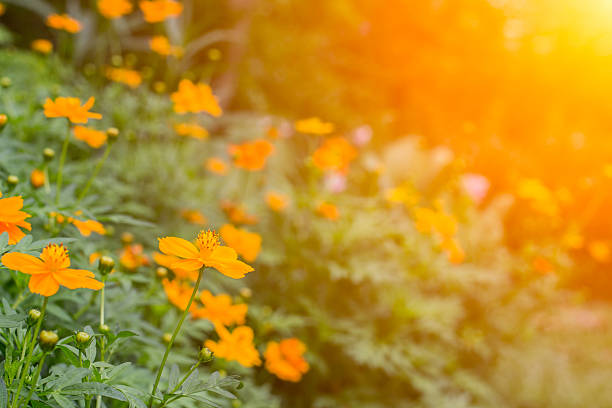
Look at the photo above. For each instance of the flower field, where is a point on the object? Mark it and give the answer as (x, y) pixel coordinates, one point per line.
(169, 237)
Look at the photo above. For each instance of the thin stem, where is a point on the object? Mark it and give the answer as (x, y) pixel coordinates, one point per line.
(35, 380)
(85, 307)
(185, 377)
(19, 299)
(95, 173)
(176, 332)
(102, 340)
(26, 343)
(30, 352)
(60, 170)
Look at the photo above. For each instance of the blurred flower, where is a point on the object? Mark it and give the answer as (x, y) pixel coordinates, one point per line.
(194, 217)
(206, 252)
(246, 243)
(66, 107)
(94, 138)
(50, 271)
(168, 260)
(328, 211)
(235, 346)
(178, 294)
(156, 11)
(455, 252)
(475, 185)
(132, 257)
(251, 155)
(129, 77)
(313, 126)
(195, 98)
(12, 218)
(362, 135)
(43, 46)
(216, 165)
(542, 265)
(285, 359)
(219, 309)
(335, 154)
(599, 250)
(277, 201)
(3, 120)
(572, 239)
(63, 22)
(334, 182)
(114, 8)
(192, 130)
(237, 213)
(272, 133)
(162, 46)
(403, 194)
(539, 196)
(37, 178)
(607, 170)
(87, 227)
(429, 221)
(2, 9)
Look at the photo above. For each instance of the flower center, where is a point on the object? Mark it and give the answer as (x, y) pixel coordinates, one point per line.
(207, 241)
(55, 256)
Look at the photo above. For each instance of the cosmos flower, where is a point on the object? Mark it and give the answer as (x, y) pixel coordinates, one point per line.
(235, 346)
(68, 107)
(37, 178)
(114, 8)
(195, 98)
(247, 244)
(129, 77)
(220, 310)
(156, 11)
(216, 165)
(12, 218)
(63, 22)
(251, 156)
(285, 359)
(191, 130)
(314, 126)
(277, 201)
(335, 154)
(41, 45)
(94, 138)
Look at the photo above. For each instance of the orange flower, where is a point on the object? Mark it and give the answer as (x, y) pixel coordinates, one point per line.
(192, 130)
(87, 227)
(114, 8)
(235, 346)
(277, 201)
(66, 107)
(600, 251)
(328, 211)
(246, 243)
(251, 155)
(314, 126)
(219, 309)
(2, 9)
(156, 11)
(336, 154)
(206, 252)
(542, 265)
(125, 76)
(194, 217)
(94, 138)
(167, 261)
(43, 46)
(12, 218)
(216, 165)
(428, 221)
(50, 271)
(195, 98)
(162, 46)
(237, 213)
(178, 294)
(37, 178)
(3, 119)
(132, 257)
(285, 359)
(455, 252)
(63, 22)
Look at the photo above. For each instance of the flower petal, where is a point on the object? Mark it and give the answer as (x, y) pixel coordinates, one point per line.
(178, 247)
(186, 265)
(43, 284)
(24, 263)
(77, 278)
(224, 259)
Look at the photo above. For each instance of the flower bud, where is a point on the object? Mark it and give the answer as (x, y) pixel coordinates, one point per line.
(167, 337)
(82, 339)
(117, 60)
(112, 134)
(131, 59)
(12, 180)
(33, 316)
(105, 265)
(104, 329)
(159, 87)
(5, 82)
(246, 293)
(3, 120)
(47, 340)
(48, 154)
(205, 355)
(127, 238)
(236, 403)
(161, 272)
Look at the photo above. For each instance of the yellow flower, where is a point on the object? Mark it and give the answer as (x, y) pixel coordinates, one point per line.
(235, 346)
(195, 98)
(43, 46)
(216, 165)
(126, 76)
(285, 359)
(600, 251)
(192, 130)
(37, 178)
(70, 108)
(539, 196)
(132, 257)
(156, 11)
(277, 201)
(12, 218)
(251, 156)
(87, 227)
(114, 8)
(219, 309)
(2, 8)
(179, 294)
(329, 211)
(162, 46)
(206, 252)
(314, 126)
(246, 243)
(335, 154)
(63, 22)
(94, 138)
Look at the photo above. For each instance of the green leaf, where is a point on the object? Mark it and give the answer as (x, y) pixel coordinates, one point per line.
(13, 320)
(63, 401)
(3, 394)
(94, 388)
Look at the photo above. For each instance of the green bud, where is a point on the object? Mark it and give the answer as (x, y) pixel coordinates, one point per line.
(47, 340)
(82, 339)
(167, 337)
(112, 134)
(104, 329)
(12, 180)
(205, 356)
(161, 272)
(127, 238)
(5, 82)
(105, 265)
(48, 154)
(117, 60)
(33, 316)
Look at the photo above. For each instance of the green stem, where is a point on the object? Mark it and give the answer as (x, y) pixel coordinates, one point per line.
(176, 332)
(19, 299)
(60, 170)
(85, 307)
(26, 343)
(102, 340)
(185, 377)
(30, 352)
(95, 173)
(35, 380)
